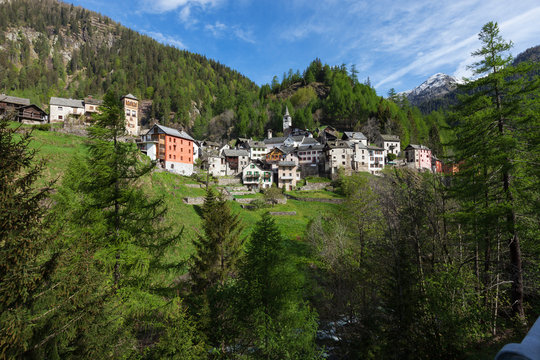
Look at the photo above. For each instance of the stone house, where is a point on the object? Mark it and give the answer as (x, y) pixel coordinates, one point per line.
(418, 157)
(236, 160)
(390, 144)
(338, 154)
(131, 110)
(354, 137)
(60, 109)
(288, 175)
(257, 149)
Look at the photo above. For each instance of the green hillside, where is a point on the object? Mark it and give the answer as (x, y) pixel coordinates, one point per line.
(49, 48)
(59, 150)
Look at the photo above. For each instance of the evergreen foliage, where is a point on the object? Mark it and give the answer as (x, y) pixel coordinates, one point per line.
(496, 122)
(277, 323)
(25, 261)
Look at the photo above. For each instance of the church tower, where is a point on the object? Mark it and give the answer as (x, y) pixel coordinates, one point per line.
(287, 122)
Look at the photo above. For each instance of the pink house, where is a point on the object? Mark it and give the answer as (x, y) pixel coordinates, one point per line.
(418, 157)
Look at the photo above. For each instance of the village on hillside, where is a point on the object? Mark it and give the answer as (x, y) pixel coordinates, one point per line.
(257, 164)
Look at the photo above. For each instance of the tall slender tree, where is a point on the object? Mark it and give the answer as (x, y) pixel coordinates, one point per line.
(493, 126)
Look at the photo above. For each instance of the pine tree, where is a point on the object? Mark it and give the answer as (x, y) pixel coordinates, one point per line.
(26, 261)
(277, 323)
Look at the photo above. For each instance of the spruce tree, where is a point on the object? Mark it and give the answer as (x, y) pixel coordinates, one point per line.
(25, 258)
(277, 323)
(218, 250)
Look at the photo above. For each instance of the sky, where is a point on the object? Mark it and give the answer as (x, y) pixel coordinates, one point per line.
(396, 44)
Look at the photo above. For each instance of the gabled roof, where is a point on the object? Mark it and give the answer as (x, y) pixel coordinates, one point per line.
(257, 166)
(354, 135)
(235, 152)
(171, 132)
(388, 137)
(34, 106)
(297, 138)
(286, 163)
(287, 149)
(14, 100)
(92, 101)
(210, 143)
(130, 96)
(336, 144)
(275, 140)
(417, 147)
(310, 147)
(309, 141)
(255, 143)
(66, 102)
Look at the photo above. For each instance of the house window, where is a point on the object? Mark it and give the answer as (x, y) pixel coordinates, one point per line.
(169, 147)
(172, 166)
(174, 140)
(169, 156)
(174, 156)
(189, 159)
(60, 117)
(133, 113)
(174, 147)
(181, 158)
(127, 113)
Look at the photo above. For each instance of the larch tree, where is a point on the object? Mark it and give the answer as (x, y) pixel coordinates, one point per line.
(495, 122)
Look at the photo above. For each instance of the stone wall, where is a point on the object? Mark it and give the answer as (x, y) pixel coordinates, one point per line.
(283, 213)
(314, 186)
(322, 200)
(228, 181)
(197, 200)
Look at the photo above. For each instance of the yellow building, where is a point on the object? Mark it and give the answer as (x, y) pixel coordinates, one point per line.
(131, 109)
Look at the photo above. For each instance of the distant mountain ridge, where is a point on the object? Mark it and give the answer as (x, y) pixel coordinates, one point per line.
(435, 86)
(438, 91)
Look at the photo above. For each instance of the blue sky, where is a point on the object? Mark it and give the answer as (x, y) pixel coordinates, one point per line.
(396, 44)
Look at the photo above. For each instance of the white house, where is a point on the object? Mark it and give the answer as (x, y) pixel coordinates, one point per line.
(354, 137)
(390, 144)
(60, 109)
(216, 165)
(376, 159)
(255, 177)
(361, 157)
(288, 174)
(257, 149)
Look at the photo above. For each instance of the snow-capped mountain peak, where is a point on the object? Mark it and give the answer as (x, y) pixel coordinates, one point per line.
(435, 86)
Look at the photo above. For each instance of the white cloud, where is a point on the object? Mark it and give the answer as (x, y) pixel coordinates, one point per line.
(165, 39)
(162, 6)
(216, 29)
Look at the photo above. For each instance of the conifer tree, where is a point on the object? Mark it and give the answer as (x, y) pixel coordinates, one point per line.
(495, 122)
(104, 204)
(218, 251)
(25, 258)
(277, 323)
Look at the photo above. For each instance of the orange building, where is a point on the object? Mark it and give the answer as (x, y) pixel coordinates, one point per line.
(172, 148)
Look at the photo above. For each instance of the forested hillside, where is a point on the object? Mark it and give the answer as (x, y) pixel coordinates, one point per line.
(49, 48)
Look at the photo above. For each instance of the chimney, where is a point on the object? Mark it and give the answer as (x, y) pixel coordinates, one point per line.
(269, 134)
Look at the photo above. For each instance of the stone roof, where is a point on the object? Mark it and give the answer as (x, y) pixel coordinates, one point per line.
(286, 163)
(235, 152)
(354, 135)
(311, 147)
(14, 100)
(309, 141)
(66, 102)
(172, 132)
(417, 147)
(130, 96)
(275, 140)
(287, 149)
(297, 138)
(255, 143)
(336, 144)
(388, 137)
(92, 101)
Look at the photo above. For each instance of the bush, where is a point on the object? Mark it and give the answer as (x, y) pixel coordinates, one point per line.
(42, 127)
(391, 157)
